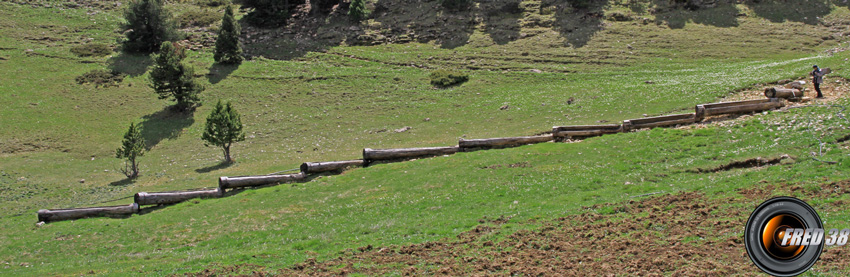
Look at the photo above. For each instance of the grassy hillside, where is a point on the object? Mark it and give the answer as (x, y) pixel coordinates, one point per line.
(315, 98)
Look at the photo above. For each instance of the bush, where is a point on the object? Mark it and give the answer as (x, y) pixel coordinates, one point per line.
(101, 77)
(456, 5)
(445, 78)
(198, 18)
(91, 50)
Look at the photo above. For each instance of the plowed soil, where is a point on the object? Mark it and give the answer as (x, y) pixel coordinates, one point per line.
(681, 234)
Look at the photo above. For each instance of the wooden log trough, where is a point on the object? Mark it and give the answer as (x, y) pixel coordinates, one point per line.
(172, 197)
(466, 144)
(69, 214)
(370, 155)
(658, 121)
(784, 93)
(225, 183)
(319, 167)
(735, 107)
(584, 131)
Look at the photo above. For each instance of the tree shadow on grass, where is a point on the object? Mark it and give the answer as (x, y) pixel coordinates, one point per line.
(577, 25)
(150, 209)
(808, 12)
(676, 16)
(221, 165)
(164, 124)
(501, 19)
(219, 72)
(123, 182)
(130, 64)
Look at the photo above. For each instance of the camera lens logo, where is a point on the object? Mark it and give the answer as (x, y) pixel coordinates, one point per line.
(784, 236)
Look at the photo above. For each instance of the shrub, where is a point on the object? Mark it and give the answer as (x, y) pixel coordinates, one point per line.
(91, 50)
(148, 25)
(456, 5)
(445, 78)
(101, 77)
(198, 18)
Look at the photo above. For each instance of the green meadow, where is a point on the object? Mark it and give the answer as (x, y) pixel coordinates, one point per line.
(327, 103)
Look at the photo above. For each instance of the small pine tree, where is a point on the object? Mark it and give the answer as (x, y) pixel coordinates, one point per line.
(224, 127)
(357, 10)
(170, 78)
(227, 50)
(148, 25)
(131, 148)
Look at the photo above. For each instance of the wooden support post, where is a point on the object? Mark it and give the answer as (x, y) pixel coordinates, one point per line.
(157, 198)
(699, 113)
(69, 214)
(502, 142)
(253, 181)
(329, 166)
(406, 153)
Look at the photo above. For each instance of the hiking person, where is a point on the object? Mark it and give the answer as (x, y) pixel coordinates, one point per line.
(817, 79)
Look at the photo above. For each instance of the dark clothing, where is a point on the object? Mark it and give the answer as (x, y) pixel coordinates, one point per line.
(817, 88)
(817, 79)
(817, 76)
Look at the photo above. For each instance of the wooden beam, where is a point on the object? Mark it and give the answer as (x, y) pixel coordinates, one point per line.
(407, 153)
(502, 142)
(253, 181)
(784, 93)
(69, 214)
(319, 167)
(157, 198)
(744, 108)
(658, 121)
(735, 103)
(583, 131)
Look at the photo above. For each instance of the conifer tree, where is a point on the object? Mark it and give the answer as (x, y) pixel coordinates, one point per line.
(227, 49)
(171, 78)
(357, 10)
(148, 25)
(224, 127)
(131, 148)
